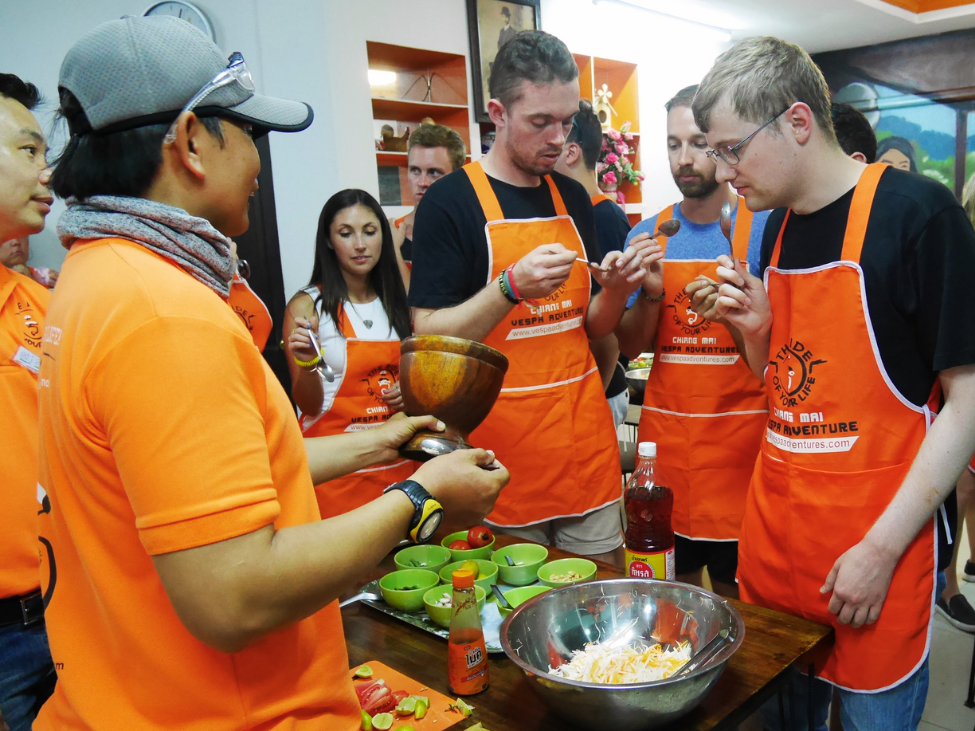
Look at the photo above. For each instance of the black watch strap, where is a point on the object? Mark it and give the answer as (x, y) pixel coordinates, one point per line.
(425, 508)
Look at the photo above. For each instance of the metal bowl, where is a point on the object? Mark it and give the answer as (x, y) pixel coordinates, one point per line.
(636, 382)
(545, 630)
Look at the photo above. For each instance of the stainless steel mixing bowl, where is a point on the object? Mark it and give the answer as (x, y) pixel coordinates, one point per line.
(545, 630)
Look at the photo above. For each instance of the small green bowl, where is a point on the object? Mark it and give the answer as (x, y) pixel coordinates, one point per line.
(582, 566)
(489, 574)
(483, 552)
(407, 600)
(431, 558)
(528, 557)
(441, 615)
(520, 596)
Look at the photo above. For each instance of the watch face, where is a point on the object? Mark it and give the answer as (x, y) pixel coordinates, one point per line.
(430, 526)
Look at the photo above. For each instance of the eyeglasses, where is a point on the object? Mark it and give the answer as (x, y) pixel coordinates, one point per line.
(730, 154)
(236, 71)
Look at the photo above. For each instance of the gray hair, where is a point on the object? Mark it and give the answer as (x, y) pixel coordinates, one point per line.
(761, 77)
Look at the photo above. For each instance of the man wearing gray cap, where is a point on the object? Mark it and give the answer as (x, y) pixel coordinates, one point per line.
(188, 579)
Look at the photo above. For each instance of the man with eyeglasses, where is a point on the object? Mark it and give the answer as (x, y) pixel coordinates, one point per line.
(701, 398)
(433, 151)
(865, 307)
(188, 578)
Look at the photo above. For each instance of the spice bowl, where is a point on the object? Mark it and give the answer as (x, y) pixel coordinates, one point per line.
(404, 590)
(441, 615)
(528, 558)
(550, 573)
(488, 576)
(517, 597)
(462, 555)
(429, 557)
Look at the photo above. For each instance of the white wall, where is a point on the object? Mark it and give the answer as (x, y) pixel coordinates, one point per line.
(670, 53)
(315, 51)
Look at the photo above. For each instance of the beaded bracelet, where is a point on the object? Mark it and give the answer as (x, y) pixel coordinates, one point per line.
(504, 289)
(648, 298)
(308, 363)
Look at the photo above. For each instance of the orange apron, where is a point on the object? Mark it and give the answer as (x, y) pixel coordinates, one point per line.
(23, 306)
(551, 426)
(703, 406)
(371, 366)
(251, 310)
(839, 443)
(599, 198)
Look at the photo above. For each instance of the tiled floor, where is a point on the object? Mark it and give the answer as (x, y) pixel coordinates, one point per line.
(951, 659)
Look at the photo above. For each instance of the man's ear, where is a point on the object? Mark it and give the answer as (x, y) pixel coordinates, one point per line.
(799, 120)
(189, 144)
(859, 157)
(573, 153)
(497, 113)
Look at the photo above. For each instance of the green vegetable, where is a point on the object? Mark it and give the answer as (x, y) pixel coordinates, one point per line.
(406, 706)
(363, 671)
(382, 721)
(366, 723)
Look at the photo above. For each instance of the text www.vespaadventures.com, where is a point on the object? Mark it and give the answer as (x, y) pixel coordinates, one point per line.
(810, 445)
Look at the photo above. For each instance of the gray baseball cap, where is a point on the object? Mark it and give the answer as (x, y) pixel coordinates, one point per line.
(137, 71)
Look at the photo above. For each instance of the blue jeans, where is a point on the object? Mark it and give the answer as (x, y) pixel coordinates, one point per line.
(26, 674)
(897, 709)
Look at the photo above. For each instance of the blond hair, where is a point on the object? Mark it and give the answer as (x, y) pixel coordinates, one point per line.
(436, 135)
(762, 77)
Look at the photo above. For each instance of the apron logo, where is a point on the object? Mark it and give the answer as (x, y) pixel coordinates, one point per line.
(380, 379)
(794, 380)
(30, 327)
(245, 317)
(685, 318)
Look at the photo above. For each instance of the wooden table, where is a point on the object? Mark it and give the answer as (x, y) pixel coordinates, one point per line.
(773, 642)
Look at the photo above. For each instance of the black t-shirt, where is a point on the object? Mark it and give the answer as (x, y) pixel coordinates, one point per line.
(918, 256)
(407, 249)
(612, 226)
(450, 261)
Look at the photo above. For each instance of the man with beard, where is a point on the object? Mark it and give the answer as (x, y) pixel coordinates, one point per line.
(495, 260)
(703, 406)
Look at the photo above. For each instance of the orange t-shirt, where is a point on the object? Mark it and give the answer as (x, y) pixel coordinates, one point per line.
(162, 429)
(23, 304)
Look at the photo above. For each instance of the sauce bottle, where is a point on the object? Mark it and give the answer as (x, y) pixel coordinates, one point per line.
(649, 535)
(467, 660)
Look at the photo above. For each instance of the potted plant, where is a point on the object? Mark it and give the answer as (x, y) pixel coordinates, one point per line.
(614, 166)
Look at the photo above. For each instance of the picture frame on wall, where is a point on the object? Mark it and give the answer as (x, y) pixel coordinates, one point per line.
(491, 23)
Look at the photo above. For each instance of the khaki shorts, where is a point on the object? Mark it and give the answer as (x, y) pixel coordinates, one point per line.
(600, 531)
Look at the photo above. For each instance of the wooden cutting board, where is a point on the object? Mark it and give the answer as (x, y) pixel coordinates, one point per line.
(437, 716)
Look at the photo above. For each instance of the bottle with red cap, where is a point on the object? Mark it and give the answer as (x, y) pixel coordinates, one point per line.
(467, 660)
(649, 534)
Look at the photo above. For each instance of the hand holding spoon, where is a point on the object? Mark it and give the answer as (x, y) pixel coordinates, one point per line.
(668, 228)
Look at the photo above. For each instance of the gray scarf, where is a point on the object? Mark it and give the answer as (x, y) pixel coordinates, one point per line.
(171, 232)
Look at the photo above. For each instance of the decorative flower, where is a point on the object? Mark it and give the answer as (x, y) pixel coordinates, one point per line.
(612, 157)
(614, 135)
(610, 178)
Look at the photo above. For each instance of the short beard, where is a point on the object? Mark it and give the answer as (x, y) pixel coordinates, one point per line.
(525, 165)
(700, 189)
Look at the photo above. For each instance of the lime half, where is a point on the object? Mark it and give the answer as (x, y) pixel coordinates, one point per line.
(406, 706)
(363, 671)
(366, 723)
(382, 721)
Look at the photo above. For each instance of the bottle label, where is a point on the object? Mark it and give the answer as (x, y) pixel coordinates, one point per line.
(467, 667)
(655, 565)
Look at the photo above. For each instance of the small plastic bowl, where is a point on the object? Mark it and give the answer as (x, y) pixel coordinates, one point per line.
(528, 557)
(483, 552)
(441, 615)
(520, 596)
(489, 573)
(407, 600)
(582, 566)
(431, 558)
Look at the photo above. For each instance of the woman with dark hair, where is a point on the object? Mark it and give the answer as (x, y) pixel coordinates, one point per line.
(898, 152)
(356, 303)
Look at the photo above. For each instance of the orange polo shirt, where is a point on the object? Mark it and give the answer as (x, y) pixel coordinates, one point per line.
(23, 304)
(162, 429)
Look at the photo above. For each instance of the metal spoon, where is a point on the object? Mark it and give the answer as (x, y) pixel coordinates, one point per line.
(592, 264)
(367, 595)
(668, 228)
(501, 600)
(511, 561)
(327, 373)
(725, 223)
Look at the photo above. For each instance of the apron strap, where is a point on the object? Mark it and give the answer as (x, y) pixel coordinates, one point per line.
(599, 198)
(665, 215)
(484, 191)
(344, 326)
(856, 225)
(743, 232)
(777, 251)
(556, 197)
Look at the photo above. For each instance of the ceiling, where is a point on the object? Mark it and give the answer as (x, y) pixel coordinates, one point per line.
(828, 25)
(821, 25)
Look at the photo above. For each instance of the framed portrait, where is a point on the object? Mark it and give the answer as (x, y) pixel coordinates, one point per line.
(491, 24)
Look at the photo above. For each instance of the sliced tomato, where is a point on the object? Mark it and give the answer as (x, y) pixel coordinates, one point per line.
(364, 689)
(385, 703)
(375, 698)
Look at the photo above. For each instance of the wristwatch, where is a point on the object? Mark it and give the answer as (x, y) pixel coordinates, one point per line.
(427, 512)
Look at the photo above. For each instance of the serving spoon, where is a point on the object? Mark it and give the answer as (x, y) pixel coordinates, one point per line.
(367, 595)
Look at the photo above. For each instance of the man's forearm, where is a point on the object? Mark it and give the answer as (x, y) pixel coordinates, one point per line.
(638, 327)
(944, 454)
(473, 319)
(605, 311)
(342, 454)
